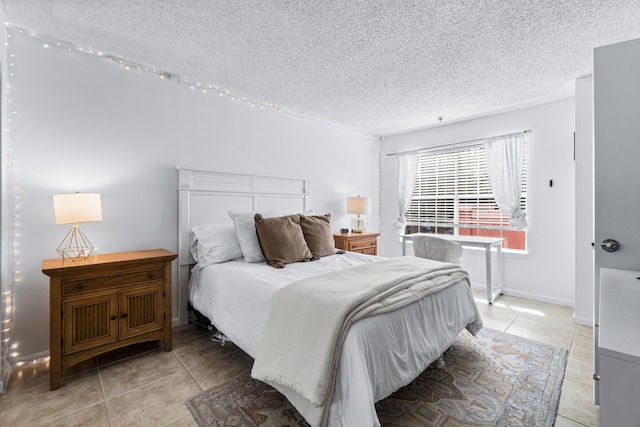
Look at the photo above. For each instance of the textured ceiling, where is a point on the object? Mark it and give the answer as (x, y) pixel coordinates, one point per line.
(376, 67)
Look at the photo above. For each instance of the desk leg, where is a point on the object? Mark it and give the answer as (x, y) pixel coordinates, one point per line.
(492, 294)
(487, 256)
(500, 270)
(404, 246)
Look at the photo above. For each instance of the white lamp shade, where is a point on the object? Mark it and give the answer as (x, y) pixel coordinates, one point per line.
(77, 207)
(358, 205)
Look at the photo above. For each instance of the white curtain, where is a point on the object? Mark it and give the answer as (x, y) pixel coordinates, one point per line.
(505, 160)
(406, 166)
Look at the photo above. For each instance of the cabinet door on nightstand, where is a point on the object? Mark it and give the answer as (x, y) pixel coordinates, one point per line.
(90, 322)
(141, 310)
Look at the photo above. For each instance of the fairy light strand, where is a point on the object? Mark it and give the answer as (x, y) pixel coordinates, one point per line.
(9, 347)
(192, 84)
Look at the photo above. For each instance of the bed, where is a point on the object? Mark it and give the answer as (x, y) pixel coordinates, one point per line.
(379, 353)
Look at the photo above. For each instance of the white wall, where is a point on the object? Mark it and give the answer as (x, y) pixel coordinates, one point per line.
(583, 312)
(546, 272)
(85, 124)
(5, 219)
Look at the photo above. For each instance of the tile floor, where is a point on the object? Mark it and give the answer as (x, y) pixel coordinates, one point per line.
(144, 386)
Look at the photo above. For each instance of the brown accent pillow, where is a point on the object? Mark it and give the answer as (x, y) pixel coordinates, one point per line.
(317, 233)
(282, 240)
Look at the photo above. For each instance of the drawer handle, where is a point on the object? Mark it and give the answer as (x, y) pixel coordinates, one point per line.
(152, 276)
(124, 315)
(80, 286)
(114, 317)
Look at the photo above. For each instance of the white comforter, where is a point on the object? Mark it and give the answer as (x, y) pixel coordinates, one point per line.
(235, 295)
(380, 353)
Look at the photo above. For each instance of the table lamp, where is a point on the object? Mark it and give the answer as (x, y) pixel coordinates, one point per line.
(73, 209)
(358, 205)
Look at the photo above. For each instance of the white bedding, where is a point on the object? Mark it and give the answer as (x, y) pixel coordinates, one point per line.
(238, 306)
(380, 353)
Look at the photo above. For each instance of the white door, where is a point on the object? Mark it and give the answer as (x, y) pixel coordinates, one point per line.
(616, 164)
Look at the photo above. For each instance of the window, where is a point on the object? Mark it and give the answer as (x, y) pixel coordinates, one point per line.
(452, 195)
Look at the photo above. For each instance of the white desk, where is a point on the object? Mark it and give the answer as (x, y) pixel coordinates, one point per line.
(474, 241)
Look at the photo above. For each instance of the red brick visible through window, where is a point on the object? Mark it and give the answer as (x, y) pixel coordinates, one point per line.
(491, 217)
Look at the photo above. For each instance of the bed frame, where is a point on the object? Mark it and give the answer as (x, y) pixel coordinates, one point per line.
(204, 197)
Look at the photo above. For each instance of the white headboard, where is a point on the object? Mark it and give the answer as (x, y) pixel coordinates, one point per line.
(205, 197)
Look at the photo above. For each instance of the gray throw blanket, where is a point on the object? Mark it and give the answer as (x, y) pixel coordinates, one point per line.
(309, 319)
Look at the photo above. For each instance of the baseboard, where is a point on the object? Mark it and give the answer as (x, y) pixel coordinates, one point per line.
(30, 359)
(529, 296)
(585, 321)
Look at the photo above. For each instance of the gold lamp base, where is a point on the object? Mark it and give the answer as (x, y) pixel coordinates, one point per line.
(75, 245)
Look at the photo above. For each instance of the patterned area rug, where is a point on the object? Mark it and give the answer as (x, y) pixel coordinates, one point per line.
(494, 379)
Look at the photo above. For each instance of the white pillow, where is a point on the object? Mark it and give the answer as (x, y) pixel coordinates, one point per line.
(246, 233)
(215, 243)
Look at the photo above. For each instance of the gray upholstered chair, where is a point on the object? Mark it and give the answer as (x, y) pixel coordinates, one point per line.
(437, 249)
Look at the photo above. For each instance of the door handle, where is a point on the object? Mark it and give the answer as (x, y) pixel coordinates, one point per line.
(610, 245)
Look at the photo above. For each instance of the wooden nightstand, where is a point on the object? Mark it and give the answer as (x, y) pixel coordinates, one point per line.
(106, 302)
(365, 243)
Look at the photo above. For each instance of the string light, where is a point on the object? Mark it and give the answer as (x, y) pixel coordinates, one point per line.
(130, 65)
(12, 192)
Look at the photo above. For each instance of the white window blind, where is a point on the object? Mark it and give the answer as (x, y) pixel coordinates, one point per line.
(452, 195)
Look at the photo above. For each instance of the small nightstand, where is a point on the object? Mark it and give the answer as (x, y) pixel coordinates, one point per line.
(365, 243)
(105, 302)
